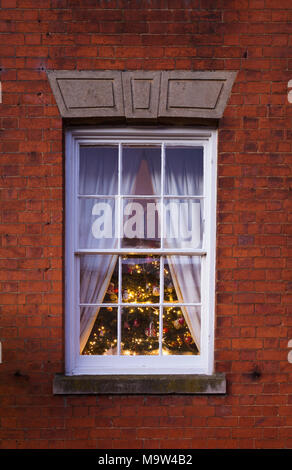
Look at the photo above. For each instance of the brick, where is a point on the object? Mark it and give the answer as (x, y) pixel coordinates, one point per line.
(253, 267)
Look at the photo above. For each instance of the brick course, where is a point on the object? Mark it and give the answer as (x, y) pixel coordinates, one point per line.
(254, 225)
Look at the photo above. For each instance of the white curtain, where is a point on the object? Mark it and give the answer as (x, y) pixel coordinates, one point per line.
(184, 177)
(97, 175)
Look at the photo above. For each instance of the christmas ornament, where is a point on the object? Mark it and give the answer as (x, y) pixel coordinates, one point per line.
(156, 291)
(181, 320)
(111, 288)
(177, 324)
(125, 295)
(126, 325)
(136, 323)
(150, 332)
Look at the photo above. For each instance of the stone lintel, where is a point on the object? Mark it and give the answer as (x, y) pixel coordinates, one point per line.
(141, 95)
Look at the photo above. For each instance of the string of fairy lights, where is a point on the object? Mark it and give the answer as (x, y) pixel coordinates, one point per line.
(140, 324)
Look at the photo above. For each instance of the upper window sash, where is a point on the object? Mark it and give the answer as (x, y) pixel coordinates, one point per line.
(163, 145)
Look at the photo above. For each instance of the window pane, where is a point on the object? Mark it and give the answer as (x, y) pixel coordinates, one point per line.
(184, 171)
(183, 223)
(141, 223)
(181, 330)
(102, 331)
(140, 331)
(97, 224)
(141, 170)
(98, 170)
(98, 279)
(140, 279)
(182, 279)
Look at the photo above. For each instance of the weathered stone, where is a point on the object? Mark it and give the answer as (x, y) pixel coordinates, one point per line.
(142, 95)
(139, 384)
(195, 94)
(88, 94)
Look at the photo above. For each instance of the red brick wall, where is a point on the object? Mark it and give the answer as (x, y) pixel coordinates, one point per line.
(254, 224)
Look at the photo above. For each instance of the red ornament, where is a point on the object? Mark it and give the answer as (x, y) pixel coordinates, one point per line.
(150, 332)
(126, 325)
(136, 323)
(188, 340)
(181, 320)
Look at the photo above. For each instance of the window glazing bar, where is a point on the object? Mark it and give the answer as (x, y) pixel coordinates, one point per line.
(146, 251)
(168, 304)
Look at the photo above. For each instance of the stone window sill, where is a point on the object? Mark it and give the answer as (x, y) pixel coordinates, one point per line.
(139, 384)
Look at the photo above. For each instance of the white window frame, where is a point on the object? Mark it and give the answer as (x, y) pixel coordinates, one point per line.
(76, 364)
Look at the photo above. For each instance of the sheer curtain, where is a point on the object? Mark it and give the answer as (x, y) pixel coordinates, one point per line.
(184, 177)
(98, 176)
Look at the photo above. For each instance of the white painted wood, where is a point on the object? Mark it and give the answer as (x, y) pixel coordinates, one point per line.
(133, 251)
(171, 364)
(133, 304)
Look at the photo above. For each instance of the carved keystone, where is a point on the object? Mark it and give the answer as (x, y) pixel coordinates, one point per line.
(141, 94)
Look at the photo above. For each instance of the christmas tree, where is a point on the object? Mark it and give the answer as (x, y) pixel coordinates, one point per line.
(140, 325)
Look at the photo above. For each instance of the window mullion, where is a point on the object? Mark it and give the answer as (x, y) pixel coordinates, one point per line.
(76, 242)
(119, 306)
(162, 195)
(161, 300)
(161, 292)
(118, 217)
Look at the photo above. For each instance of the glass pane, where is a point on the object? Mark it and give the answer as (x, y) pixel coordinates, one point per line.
(98, 279)
(140, 331)
(97, 224)
(98, 170)
(98, 331)
(141, 223)
(181, 330)
(182, 279)
(141, 172)
(183, 223)
(140, 279)
(184, 171)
